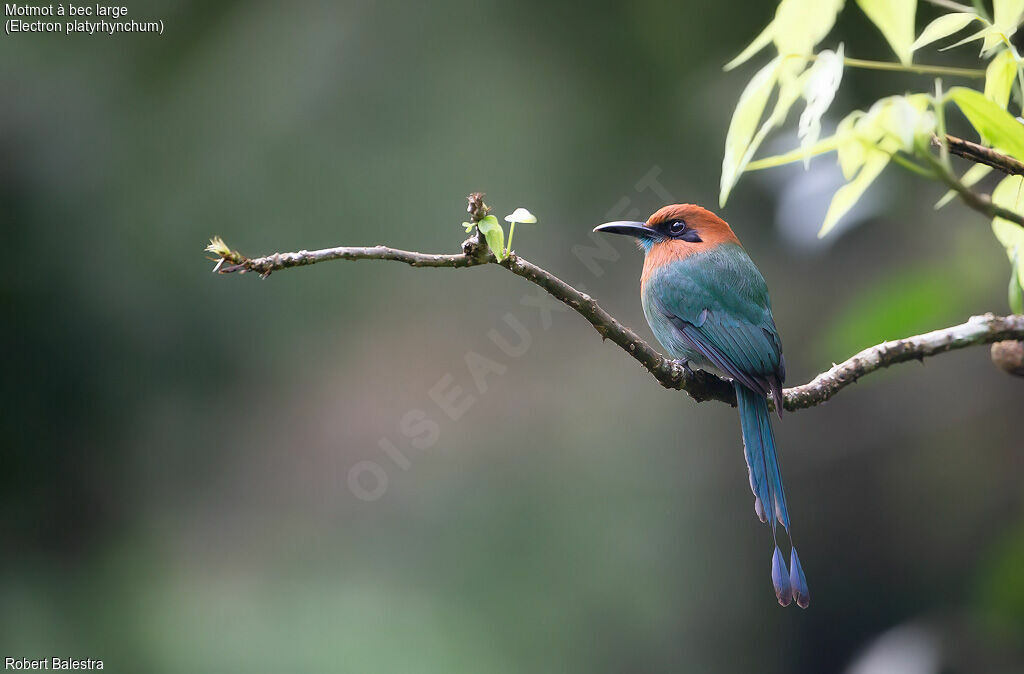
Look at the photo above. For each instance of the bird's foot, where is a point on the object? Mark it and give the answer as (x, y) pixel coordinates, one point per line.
(685, 364)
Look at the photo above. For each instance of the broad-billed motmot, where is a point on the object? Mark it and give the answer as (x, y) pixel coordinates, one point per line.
(708, 306)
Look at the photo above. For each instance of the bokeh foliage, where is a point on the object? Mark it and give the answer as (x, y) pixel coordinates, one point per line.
(896, 128)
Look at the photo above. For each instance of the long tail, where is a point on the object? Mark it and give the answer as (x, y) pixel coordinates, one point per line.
(766, 483)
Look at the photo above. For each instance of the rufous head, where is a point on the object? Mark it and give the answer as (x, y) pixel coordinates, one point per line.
(682, 229)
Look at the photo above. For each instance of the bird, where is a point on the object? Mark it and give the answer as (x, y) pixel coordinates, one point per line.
(708, 305)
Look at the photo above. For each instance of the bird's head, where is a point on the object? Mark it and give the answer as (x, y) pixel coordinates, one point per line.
(680, 228)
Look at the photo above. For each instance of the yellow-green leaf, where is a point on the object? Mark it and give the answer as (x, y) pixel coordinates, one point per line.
(851, 155)
(823, 80)
(792, 82)
(1005, 20)
(848, 194)
(993, 124)
(1007, 16)
(895, 18)
(748, 113)
(1016, 289)
(495, 235)
(759, 43)
(801, 24)
(983, 33)
(1010, 194)
(943, 27)
(850, 150)
(904, 118)
(969, 179)
(999, 78)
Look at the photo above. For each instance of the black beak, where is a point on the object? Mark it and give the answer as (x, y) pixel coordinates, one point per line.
(634, 229)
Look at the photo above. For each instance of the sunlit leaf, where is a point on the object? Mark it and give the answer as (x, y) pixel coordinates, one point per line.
(1009, 193)
(969, 179)
(895, 18)
(759, 43)
(792, 80)
(495, 235)
(943, 27)
(904, 118)
(993, 124)
(850, 148)
(1007, 16)
(521, 215)
(801, 24)
(987, 30)
(1015, 292)
(1005, 21)
(748, 113)
(999, 78)
(823, 80)
(851, 192)
(791, 83)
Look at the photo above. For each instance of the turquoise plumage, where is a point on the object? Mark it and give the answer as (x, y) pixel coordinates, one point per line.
(708, 305)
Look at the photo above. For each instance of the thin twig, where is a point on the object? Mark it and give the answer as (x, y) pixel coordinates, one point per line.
(982, 155)
(949, 4)
(669, 373)
(979, 202)
(916, 69)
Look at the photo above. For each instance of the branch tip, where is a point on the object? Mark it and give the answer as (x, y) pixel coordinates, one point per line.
(671, 374)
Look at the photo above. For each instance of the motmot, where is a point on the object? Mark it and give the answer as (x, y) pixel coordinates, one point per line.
(708, 306)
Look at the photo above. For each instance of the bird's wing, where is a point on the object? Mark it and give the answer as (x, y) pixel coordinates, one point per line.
(738, 349)
(718, 304)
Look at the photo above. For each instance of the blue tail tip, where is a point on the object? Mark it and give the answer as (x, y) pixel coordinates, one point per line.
(797, 580)
(780, 579)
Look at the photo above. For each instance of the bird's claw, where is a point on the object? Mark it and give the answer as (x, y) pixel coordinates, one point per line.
(683, 364)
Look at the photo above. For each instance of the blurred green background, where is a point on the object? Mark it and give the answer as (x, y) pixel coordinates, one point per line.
(178, 447)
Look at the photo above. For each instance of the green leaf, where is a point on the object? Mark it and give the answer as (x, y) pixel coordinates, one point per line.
(995, 125)
(983, 33)
(745, 119)
(848, 194)
(969, 179)
(903, 118)
(495, 235)
(1009, 193)
(1008, 12)
(895, 18)
(823, 80)
(801, 24)
(999, 78)
(759, 43)
(851, 147)
(943, 27)
(1016, 289)
(521, 215)
(1005, 19)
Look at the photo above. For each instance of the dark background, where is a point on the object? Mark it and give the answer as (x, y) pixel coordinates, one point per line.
(178, 446)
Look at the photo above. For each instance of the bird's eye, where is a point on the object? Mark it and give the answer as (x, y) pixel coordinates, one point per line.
(676, 228)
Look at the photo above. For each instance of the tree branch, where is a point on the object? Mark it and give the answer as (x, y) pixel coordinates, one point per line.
(979, 202)
(981, 155)
(669, 373)
(978, 330)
